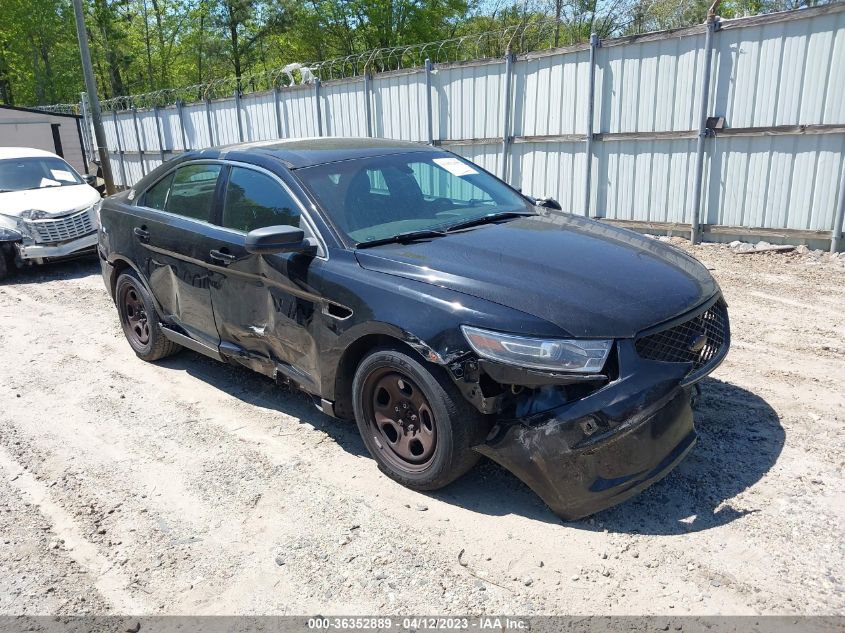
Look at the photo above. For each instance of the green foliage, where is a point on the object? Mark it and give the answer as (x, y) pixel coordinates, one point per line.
(146, 45)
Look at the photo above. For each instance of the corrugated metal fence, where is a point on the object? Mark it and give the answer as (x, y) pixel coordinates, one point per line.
(775, 162)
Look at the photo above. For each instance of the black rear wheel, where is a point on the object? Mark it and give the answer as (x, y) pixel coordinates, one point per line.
(414, 421)
(140, 320)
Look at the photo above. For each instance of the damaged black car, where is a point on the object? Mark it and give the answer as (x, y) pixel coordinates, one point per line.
(447, 313)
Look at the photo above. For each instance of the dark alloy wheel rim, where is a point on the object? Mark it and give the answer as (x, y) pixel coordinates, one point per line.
(400, 420)
(135, 315)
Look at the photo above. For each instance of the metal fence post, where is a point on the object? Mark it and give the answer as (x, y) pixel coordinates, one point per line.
(695, 212)
(185, 145)
(141, 151)
(208, 122)
(86, 119)
(506, 116)
(591, 106)
(428, 110)
(277, 99)
(125, 183)
(839, 217)
(318, 107)
(159, 134)
(238, 115)
(367, 106)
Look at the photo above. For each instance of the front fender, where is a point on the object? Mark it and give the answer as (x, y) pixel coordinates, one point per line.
(423, 316)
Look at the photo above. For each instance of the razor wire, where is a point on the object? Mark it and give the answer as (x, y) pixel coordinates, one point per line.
(531, 35)
(61, 108)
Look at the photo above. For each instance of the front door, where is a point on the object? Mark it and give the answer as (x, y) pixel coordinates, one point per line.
(172, 236)
(264, 304)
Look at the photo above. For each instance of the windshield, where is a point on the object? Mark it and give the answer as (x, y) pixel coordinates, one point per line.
(375, 198)
(18, 174)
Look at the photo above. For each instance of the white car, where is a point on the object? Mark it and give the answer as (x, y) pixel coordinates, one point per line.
(47, 210)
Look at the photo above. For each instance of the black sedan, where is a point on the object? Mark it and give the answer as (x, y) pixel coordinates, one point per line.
(447, 313)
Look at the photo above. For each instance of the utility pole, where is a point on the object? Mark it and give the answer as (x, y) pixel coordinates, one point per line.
(93, 100)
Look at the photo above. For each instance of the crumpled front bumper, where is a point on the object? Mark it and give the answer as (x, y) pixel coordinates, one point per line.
(52, 251)
(595, 452)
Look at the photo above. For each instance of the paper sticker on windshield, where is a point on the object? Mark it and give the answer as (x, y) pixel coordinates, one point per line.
(49, 182)
(454, 166)
(62, 175)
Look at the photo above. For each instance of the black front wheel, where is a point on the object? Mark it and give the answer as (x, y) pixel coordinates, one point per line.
(140, 320)
(414, 421)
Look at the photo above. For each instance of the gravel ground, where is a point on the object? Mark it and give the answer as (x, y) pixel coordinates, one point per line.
(192, 487)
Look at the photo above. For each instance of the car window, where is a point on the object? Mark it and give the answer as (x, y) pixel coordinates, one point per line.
(20, 174)
(192, 192)
(156, 196)
(254, 200)
(436, 183)
(374, 198)
(378, 183)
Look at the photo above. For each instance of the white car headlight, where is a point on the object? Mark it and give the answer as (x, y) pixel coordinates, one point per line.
(581, 355)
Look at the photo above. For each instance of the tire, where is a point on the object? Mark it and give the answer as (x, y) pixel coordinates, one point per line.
(140, 320)
(427, 445)
(4, 266)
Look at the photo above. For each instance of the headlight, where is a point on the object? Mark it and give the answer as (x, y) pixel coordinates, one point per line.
(9, 235)
(9, 229)
(583, 355)
(97, 206)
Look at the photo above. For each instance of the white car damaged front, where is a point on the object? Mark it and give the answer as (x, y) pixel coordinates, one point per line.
(47, 210)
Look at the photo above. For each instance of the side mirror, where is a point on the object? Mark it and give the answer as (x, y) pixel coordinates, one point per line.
(269, 240)
(549, 203)
(90, 179)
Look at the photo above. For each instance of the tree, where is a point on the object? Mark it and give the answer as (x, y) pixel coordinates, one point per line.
(244, 23)
(146, 45)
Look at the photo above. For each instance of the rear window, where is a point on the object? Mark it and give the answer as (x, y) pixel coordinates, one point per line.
(189, 192)
(192, 192)
(156, 196)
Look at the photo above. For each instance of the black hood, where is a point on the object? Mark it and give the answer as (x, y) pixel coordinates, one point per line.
(588, 278)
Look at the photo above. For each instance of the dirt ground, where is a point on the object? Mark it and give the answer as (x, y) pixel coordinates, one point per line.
(192, 487)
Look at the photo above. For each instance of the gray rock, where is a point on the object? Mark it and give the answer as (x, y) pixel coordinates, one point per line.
(528, 581)
(421, 507)
(280, 560)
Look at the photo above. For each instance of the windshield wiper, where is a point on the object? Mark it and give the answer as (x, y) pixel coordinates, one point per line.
(487, 219)
(401, 238)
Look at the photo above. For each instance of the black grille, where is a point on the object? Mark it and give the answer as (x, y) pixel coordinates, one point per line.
(702, 341)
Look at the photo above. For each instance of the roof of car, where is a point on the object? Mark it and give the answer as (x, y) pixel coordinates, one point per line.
(24, 152)
(306, 152)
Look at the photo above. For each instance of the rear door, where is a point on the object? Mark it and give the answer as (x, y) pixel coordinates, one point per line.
(172, 232)
(264, 304)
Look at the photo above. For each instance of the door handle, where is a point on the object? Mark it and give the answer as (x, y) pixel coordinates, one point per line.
(141, 233)
(220, 256)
